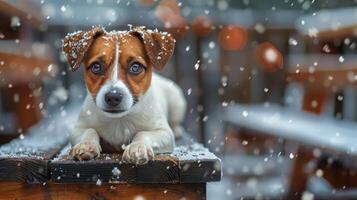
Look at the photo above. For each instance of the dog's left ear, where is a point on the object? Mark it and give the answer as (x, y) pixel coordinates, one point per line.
(159, 46)
(75, 45)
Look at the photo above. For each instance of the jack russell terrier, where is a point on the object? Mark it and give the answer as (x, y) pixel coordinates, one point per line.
(127, 105)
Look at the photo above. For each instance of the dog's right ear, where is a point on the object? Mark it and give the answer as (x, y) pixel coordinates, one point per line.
(75, 45)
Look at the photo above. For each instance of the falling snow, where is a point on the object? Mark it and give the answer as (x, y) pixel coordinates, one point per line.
(293, 42)
(310, 37)
(197, 65)
(341, 59)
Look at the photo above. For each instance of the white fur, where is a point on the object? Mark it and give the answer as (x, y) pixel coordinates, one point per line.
(116, 63)
(144, 126)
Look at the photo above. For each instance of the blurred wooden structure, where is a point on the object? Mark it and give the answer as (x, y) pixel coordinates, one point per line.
(24, 64)
(331, 82)
(322, 85)
(316, 136)
(325, 146)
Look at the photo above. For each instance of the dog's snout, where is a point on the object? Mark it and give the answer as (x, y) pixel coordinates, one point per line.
(113, 97)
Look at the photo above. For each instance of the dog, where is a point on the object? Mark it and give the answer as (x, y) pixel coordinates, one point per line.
(130, 107)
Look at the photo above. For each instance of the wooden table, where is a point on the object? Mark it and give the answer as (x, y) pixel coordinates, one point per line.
(37, 167)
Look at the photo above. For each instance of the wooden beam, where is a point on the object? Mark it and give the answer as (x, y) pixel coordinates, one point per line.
(187, 164)
(109, 168)
(25, 162)
(14, 190)
(20, 69)
(325, 79)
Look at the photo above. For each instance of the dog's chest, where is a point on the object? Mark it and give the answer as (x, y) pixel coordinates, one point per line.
(117, 132)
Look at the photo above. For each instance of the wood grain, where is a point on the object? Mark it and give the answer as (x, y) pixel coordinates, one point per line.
(163, 170)
(187, 164)
(53, 191)
(197, 164)
(25, 163)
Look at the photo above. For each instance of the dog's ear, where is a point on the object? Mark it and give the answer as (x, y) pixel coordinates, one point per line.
(159, 46)
(75, 45)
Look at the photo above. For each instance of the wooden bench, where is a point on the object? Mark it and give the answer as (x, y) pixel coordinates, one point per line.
(37, 167)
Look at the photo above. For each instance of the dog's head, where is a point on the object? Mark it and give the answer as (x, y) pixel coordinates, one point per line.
(118, 65)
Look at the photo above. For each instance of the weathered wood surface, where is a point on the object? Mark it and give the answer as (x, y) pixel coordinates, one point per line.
(52, 191)
(26, 159)
(197, 164)
(187, 164)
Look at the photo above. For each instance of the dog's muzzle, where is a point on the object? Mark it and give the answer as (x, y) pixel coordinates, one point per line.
(112, 99)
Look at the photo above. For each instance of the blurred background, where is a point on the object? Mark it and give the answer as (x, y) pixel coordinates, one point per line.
(270, 85)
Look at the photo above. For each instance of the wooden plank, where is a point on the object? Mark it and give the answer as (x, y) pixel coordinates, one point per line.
(52, 191)
(197, 164)
(27, 49)
(192, 163)
(26, 158)
(23, 160)
(326, 74)
(299, 174)
(20, 69)
(326, 79)
(109, 168)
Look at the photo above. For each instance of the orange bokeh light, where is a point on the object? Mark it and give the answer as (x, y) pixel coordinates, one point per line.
(232, 38)
(167, 8)
(168, 12)
(269, 57)
(202, 26)
(176, 25)
(146, 2)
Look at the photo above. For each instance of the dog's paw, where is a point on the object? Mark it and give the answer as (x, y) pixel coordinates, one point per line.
(138, 153)
(85, 150)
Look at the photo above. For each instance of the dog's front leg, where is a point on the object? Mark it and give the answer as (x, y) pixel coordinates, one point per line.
(86, 144)
(146, 143)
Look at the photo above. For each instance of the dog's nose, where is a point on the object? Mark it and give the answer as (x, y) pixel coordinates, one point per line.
(113, 97)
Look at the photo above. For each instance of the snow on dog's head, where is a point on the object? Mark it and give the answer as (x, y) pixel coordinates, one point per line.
(118, 64)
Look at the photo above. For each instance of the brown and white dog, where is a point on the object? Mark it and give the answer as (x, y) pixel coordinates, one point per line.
(127, 105)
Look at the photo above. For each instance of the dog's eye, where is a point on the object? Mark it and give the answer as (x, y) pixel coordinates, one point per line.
(96, 68)
(136, 68)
